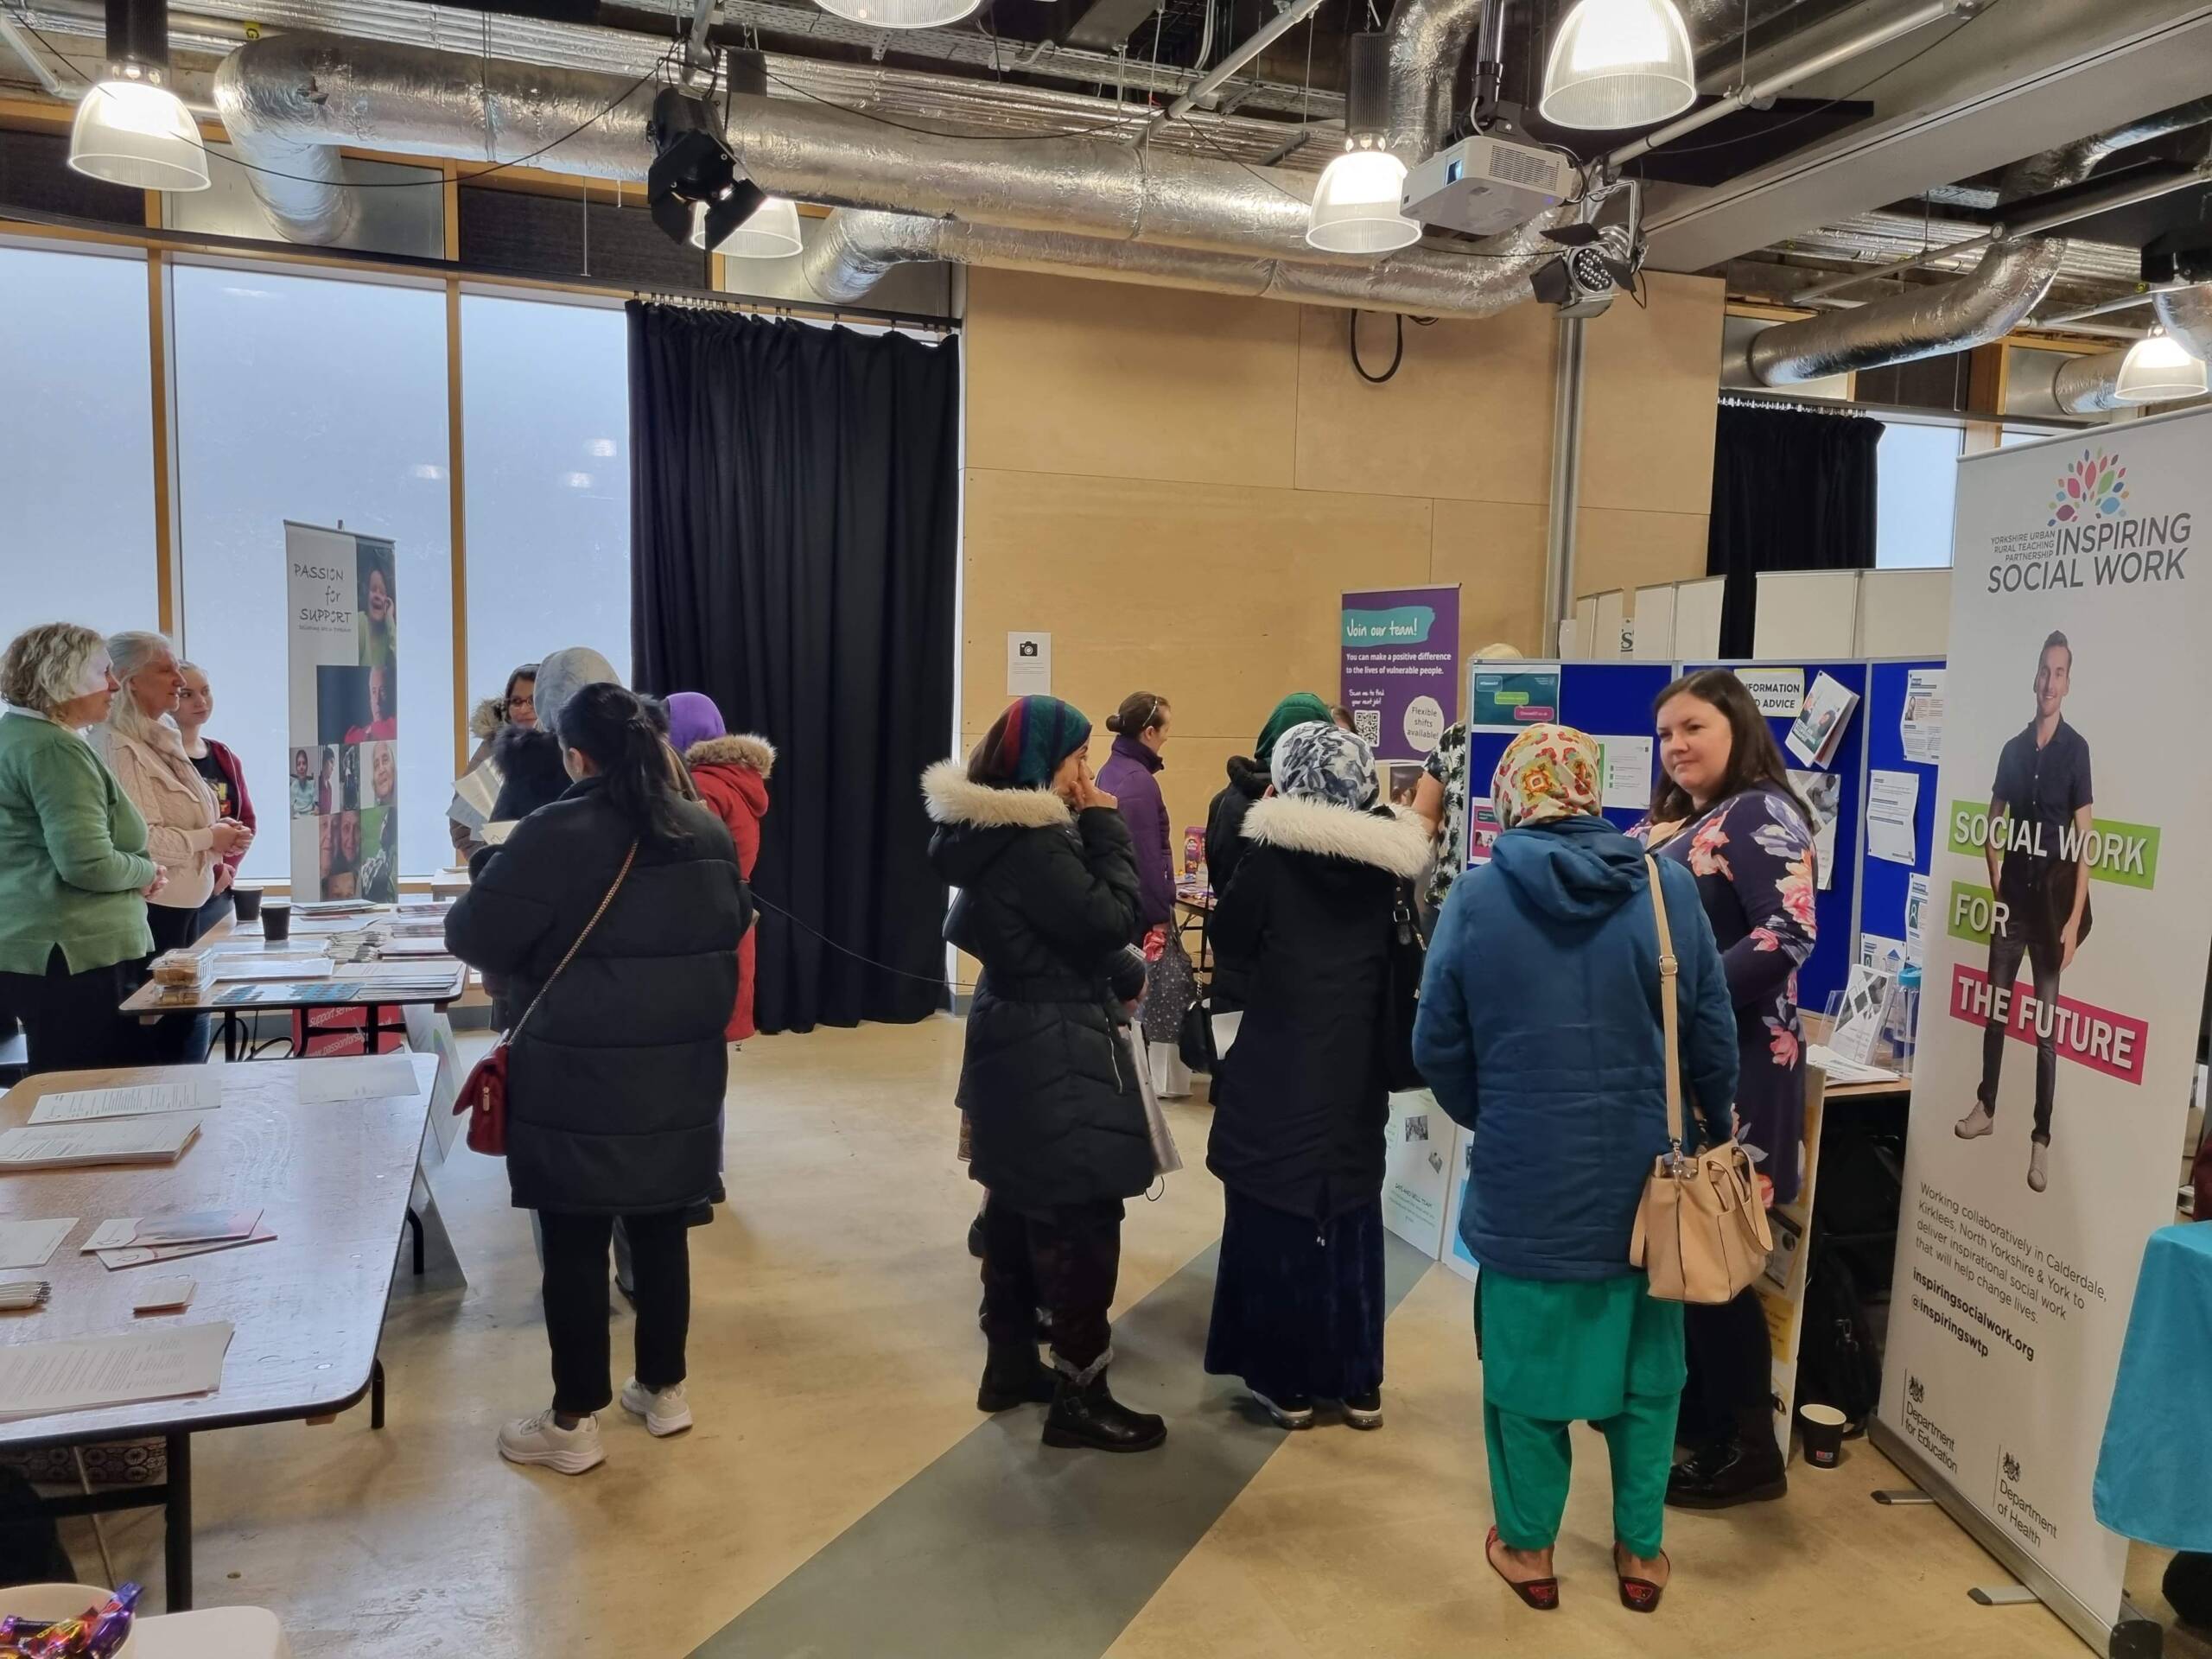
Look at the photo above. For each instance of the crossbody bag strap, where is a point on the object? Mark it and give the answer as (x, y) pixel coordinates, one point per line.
(1669, 1014)
(628, 859)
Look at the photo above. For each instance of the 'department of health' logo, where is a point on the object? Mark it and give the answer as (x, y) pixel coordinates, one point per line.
(2091, 487)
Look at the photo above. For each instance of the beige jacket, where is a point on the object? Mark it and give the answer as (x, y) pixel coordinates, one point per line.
(178, 806)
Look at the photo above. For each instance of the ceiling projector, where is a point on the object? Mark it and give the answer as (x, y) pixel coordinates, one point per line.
(1484, 185)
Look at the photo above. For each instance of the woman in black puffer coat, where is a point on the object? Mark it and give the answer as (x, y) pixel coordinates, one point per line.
(1048, 903)
(615, 1080)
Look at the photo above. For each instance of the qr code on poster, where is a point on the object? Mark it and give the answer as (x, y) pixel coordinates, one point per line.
(1368, 723)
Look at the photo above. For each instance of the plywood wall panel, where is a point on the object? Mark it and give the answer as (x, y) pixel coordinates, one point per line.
(1616, 548)
(1650, 382)
(1110, 380)
(1495, 551)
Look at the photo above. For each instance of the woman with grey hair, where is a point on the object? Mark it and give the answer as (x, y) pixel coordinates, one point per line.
(74, 870)
(186, 831)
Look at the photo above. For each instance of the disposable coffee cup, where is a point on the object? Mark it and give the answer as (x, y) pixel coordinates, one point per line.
(1822, 1428)
(248, 901)
(276, 920)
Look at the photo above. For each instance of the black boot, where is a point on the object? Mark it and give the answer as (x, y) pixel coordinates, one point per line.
(1745, 1467)
(1013, 1375)
(1086, 1415)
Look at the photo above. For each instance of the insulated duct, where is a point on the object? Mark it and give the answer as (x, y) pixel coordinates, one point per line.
(1428, 38)
(1986, 305)
(2186, 314)
(2090, 386)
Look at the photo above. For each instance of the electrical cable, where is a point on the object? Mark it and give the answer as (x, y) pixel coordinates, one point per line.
(882, 967)
(1398, 356)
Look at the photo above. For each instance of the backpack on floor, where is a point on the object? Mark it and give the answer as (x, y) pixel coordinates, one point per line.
(1836, 1362)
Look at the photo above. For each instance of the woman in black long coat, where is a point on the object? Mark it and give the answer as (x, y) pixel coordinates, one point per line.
(1048, 903)
(615, 1080)
(1300, 1100)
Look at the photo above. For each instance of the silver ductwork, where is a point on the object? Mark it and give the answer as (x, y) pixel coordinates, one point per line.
(2090, 386)
(1428, 38)
(2186, 314)
(2009, 283)
(854, 248)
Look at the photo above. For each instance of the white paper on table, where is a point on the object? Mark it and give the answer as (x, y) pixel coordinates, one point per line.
(1916, 907)
(160, 1362)
(1892, 799)
(1628, 771)
(392, 948)
(161, 1295)
(133, 1100)
(1226, 1027)
(245, 970)
(1920, 722)
(1821, 724)
(119, 1140)
(421, 970)
(374, 1077)
(32, 1243)
(139, 1255)
(1840, 1071)
(1822, 793)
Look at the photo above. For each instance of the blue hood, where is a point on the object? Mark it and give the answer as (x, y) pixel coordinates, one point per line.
(1576, 869)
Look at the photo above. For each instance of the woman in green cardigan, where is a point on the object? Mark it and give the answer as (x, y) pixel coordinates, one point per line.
(74, 874)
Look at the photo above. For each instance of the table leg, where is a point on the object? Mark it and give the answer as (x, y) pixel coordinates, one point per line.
(230, 1037)
(376, 1393)
(179, 1524)
(415, 1236)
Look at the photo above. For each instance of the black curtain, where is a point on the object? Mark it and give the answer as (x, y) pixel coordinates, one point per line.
(793, 541)
(1792, 490)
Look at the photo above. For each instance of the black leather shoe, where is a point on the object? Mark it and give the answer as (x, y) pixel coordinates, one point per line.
(1086, 1415)
(1724, 1475)
(1013, 1375)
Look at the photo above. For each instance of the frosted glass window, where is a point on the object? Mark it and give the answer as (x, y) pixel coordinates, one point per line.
(76, 443)
(324, 402)
(1918, 479)
(545, 411)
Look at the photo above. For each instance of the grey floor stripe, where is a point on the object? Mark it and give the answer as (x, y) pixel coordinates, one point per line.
(1002, 1547)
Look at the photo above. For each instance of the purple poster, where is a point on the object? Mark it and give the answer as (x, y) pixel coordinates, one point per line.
(1402, 667)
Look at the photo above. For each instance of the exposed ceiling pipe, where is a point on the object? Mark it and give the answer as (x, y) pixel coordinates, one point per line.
(2186, 314)
(2010, 281)
(853, 250)
(2089, 385)
(1427, 39)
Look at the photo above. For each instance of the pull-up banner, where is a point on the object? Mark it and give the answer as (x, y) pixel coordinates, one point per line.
(2063, 984)
(343, 624)
(1401, 667)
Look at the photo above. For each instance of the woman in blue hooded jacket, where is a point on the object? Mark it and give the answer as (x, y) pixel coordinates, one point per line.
(1540, 1031)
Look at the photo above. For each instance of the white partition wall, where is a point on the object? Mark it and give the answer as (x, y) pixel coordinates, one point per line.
(1654, 623)
(1807, 613)
(1697, 618)
(1612, 611)
(1905, 612)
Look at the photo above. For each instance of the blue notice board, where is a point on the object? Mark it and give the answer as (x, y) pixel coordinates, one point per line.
(1603, 700)
(1883, 886)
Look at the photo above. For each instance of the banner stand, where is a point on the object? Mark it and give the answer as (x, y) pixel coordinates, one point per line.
(2135, 1635)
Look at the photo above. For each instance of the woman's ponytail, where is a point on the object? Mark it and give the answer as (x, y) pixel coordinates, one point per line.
(611, 726)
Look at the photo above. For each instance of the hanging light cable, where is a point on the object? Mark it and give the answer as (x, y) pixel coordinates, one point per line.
(131, 129)
(2158, 368)
(1358, 204)
(1618, 63)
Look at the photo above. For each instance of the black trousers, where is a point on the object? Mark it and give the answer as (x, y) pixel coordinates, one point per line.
(178, 1038)
(2016, 939)
(1064, 1259)
(70, 1021)
(1731, 1382)
(576, 1310)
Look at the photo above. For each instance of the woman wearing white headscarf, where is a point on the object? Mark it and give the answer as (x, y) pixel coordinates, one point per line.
(1300, 1100)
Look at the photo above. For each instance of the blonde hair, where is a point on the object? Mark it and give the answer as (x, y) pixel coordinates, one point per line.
(43, 664)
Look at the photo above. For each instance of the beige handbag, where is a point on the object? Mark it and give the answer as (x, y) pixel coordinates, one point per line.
(1702, 1234)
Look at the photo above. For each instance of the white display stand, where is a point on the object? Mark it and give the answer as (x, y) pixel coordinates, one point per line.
(1612, 612)
(1806, 613)
(1697, 618)
(1654, 623)
(1585, 629)
(1905, 612)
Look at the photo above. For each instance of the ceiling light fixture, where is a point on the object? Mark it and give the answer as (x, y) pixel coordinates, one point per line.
(1618, 63)
(2158, 368)
(1358, 206)
(900, 14)
(130, 129)
(772, 232)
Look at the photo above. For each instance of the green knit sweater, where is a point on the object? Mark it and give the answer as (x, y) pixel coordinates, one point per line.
(72, 854)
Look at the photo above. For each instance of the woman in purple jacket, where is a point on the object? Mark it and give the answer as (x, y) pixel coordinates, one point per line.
(1140, 727)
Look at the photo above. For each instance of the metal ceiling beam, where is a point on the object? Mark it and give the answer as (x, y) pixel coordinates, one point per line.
(1261, 39)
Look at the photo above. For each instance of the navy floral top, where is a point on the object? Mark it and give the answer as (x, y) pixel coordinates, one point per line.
(1752, 856)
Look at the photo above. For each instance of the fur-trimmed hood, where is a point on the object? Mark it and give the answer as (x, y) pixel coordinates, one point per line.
(1389, 840)
(740, 749)
(486, 718)
(956, 802)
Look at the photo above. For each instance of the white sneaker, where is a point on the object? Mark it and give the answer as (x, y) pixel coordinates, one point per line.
(1975, 1124)
(2038, 1166)
(542, 1443)
(1292, 1411)
(665, 1412)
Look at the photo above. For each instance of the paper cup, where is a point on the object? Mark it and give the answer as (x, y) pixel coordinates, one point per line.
(1822, 1428)
(248, 901)
(276, 920)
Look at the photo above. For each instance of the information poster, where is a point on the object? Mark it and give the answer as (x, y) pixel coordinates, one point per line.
(1509, 699)
(1401, 667)
(1417, 1174)
(342, 609)
(2064, 978)
(1781, 1289)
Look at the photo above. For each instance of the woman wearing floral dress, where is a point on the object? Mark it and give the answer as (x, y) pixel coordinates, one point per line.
(1723, 807)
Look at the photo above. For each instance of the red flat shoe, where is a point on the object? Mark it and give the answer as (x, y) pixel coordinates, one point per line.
(1543, 1594)
(1640, 1595)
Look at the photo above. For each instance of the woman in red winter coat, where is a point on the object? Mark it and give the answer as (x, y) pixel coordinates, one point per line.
(732, 776)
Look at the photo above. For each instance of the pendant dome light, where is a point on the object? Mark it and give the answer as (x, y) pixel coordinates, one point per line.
(771, 232)
(900, 14)
(130, 129)
(1618, 63)
(2158, 368)
(1358, 204)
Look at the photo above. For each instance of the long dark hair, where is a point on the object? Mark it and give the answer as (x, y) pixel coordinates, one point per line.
(611, 726)
(1754, 759)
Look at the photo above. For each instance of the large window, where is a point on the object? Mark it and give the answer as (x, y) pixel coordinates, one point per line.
(545, 411)
(76, 442)
(323, 402)
(1919, 469)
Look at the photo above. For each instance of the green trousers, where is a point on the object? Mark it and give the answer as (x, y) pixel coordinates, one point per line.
(1530, 1459)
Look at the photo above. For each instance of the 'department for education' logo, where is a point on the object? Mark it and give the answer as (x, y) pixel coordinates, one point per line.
(2092, 487)
(1916, 1390)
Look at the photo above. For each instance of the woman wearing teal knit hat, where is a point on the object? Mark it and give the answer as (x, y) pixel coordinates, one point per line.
(1048, 903)
(1247, 782)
